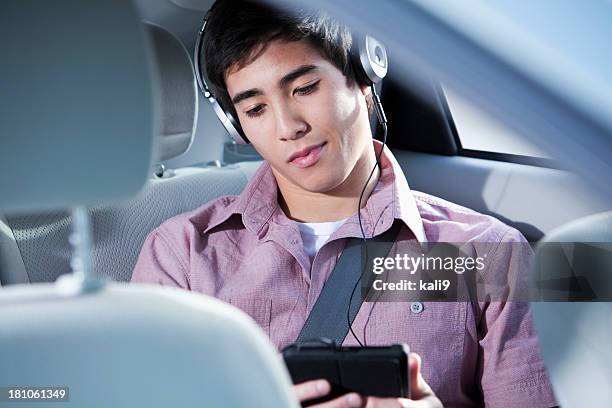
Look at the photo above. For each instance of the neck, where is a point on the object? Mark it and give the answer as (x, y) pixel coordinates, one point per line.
(339, 203)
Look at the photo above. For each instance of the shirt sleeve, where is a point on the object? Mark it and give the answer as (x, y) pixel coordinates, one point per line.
(159, 262)
(511, 369)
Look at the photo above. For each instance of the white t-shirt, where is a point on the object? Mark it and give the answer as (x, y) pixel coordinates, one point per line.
(315, 234)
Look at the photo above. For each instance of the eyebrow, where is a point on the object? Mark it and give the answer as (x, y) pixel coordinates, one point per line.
(283, 82)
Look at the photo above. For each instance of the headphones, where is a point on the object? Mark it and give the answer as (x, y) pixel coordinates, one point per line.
(368, 57)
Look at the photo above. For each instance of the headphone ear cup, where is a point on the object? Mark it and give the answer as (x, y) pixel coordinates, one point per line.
(240, 137)
(230, 123)
(369, 57)
(357, 45)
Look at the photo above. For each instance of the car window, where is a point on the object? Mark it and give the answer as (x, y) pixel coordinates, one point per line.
(478, 131)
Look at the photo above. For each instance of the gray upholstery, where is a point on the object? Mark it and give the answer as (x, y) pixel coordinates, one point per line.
(119, 231)
(75, 96)
(579, 252)
(131, 346)
(12, 268)
(575, 337)
(594, 228)
(178, 93)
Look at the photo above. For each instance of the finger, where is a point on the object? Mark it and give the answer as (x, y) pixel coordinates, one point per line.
(351, 400)
(419, 389)
(428, 402)
(414, 363)
(311, 389)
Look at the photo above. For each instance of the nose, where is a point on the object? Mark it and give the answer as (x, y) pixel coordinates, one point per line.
(290, 123)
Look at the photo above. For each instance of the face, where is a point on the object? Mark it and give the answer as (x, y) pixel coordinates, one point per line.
(297, 110)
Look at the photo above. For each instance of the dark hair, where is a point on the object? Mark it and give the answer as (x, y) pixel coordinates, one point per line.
(237, 31)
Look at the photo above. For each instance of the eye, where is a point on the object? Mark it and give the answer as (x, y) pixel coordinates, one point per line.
(256, 111)
(308, 89)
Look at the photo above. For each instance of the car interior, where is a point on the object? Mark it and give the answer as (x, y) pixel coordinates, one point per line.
(195, 162)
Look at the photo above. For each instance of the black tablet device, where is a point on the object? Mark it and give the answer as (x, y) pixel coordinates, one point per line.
(369, 371)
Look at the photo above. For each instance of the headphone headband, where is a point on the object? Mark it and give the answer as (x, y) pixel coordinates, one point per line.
(227, 119)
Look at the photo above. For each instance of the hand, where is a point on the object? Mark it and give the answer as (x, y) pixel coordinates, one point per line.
(421, 393)
(320, 388)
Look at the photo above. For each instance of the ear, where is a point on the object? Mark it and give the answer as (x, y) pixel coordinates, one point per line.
(365, 89)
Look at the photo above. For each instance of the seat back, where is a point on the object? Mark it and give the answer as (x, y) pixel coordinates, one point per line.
(137, 346)
(574, 336)
(118, 230)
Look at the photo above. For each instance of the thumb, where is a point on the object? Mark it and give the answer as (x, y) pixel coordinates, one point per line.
(419, 389)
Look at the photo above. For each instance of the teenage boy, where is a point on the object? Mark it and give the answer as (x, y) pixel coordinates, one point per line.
(289, 81)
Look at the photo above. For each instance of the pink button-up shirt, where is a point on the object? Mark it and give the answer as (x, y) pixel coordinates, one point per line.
(244, 250)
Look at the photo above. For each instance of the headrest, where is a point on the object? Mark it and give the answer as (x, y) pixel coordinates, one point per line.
(580, 253)
(179, 102)
(593, 228)
(77, 107)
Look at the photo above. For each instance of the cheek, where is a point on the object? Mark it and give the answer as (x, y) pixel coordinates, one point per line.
(265, 149)
(260, 135)
(346, 115)
(337, 107)
(346, 118)
(253, 129)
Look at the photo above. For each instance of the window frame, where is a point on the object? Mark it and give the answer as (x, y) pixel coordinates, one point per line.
(484, 154)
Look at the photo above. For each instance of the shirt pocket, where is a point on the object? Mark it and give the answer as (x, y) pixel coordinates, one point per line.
(259, 309)
(430, 327)
(434, 330)
(418, 321)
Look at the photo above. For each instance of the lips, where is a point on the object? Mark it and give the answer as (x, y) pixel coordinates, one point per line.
(307, 156)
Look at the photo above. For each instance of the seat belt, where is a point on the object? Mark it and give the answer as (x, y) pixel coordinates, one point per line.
(328, 318)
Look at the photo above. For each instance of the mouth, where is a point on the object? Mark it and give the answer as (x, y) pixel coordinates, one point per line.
(307, 157)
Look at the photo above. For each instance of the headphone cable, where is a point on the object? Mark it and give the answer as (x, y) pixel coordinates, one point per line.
(382, 120)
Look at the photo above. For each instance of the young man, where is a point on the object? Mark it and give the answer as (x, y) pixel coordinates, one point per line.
(269, 250)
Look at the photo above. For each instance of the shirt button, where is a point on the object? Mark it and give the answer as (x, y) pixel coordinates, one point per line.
(294, 241)
(416, 307)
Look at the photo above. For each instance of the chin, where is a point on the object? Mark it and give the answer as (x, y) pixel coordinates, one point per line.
(320, 183)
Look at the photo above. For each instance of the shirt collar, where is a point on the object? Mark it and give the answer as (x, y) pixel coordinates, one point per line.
(392, 189)
(391, 199)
